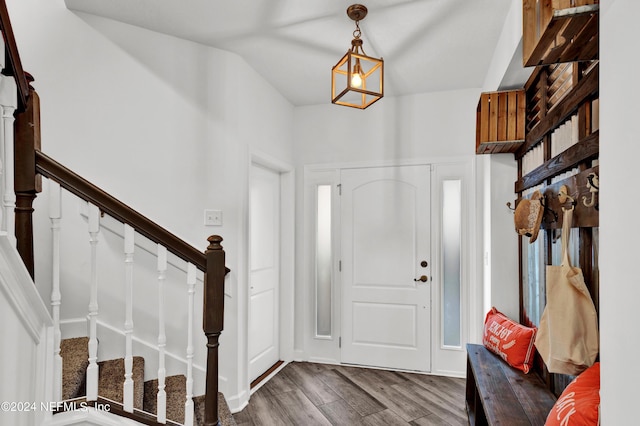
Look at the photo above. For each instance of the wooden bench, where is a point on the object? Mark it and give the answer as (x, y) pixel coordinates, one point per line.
(498, 394)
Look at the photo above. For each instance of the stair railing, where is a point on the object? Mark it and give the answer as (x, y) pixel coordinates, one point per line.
(211, 262)
(21, 182)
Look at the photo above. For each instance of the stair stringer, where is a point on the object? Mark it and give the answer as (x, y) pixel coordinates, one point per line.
(26, 341)
(89, 417)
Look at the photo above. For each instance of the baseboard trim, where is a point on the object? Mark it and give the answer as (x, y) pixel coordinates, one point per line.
(266, 374)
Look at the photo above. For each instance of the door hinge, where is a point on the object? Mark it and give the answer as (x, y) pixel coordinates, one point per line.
(339, 342)
(340, 265)
(339, 189)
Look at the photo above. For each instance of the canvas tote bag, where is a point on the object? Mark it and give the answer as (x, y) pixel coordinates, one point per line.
(567, 336)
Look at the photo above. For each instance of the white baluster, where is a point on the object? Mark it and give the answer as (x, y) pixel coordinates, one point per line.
(92, 369)
(191, 290)
(162, 338)
(55, 213)
(9, 101)
(127, 390)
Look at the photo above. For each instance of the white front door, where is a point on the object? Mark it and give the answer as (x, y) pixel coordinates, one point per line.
(264, 324)
(385, 219)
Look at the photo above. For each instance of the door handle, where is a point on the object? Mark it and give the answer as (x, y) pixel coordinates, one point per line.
(423, 278)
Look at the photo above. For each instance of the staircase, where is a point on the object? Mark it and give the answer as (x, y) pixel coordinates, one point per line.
(70, 370)
(75, 360)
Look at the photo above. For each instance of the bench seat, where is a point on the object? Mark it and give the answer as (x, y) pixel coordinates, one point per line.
(498, 394)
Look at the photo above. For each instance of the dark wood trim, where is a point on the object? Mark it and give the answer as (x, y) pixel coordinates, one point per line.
(587, 87)
(77, 185)
(13, 64)
(26, 183)
(266, 374)
(583, 150)
(213, 323)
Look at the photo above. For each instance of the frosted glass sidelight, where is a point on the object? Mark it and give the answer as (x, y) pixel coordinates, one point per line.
(324, 253)
(451, 262)
(533, 278)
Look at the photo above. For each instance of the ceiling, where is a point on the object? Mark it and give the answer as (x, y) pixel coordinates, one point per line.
(427, 45)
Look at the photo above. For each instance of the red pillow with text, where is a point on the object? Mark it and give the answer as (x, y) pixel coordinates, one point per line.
(579, 404)
(509, 339)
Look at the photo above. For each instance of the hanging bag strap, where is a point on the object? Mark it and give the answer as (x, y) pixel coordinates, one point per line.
(567, 218)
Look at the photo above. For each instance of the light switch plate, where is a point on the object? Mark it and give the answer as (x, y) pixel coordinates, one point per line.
(213, 217)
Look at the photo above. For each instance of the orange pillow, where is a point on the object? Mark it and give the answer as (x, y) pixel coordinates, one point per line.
(509, 339)
(579, 404)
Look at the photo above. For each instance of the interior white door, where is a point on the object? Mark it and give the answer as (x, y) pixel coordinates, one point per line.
(385, 217)
(264, 325)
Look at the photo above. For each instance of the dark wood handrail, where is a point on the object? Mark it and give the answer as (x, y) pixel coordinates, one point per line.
(211, 262)
(82, 188)
(13, 64)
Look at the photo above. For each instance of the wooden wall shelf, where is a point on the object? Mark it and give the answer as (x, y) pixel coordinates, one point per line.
(546, 116)
(500, 126)
(588, 148)
(558, 31)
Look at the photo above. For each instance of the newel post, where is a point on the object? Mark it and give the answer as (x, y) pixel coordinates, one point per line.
(213, 316)
(26, 183)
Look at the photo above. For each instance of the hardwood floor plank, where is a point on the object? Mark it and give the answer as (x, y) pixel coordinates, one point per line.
(310, 383)
(341, 413)
(384, 418)
(391, 377)
(438, 403)
(280, 383)
(300, 409)
(321, 394)
(378, 385)
(243, 418)
(264, 410)
(355, 396)
(449, 388)
(430, 420)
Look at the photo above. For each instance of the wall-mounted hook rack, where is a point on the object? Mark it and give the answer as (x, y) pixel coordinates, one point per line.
(563, 197)
(593, 184)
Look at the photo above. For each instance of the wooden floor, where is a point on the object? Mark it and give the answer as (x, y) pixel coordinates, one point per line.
(318, 394)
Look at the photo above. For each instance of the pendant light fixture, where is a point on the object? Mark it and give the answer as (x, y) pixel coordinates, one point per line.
(357, 79)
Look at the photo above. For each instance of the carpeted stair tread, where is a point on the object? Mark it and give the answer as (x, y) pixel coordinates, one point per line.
(75, 360)
(111, 380)
(226, 418)
(176, 389)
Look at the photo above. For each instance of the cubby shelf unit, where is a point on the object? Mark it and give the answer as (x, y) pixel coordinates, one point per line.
(500, 126)
(556, 31)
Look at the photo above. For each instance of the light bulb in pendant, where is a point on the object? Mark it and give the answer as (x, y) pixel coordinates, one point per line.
(356, 80)
(356, 76)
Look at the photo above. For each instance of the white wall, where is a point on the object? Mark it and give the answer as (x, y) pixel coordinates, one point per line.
(164, 124)
(499, 172)
(419, 128)
(501, 241)
(619, 154)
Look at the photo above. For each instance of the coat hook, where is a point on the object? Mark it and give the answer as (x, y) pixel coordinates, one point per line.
(563, 197)
(513, 209)
(593, 183)
(543, 201)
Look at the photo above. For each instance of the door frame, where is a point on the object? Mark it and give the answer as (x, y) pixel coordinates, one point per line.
(328, 350)
(287, 266)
